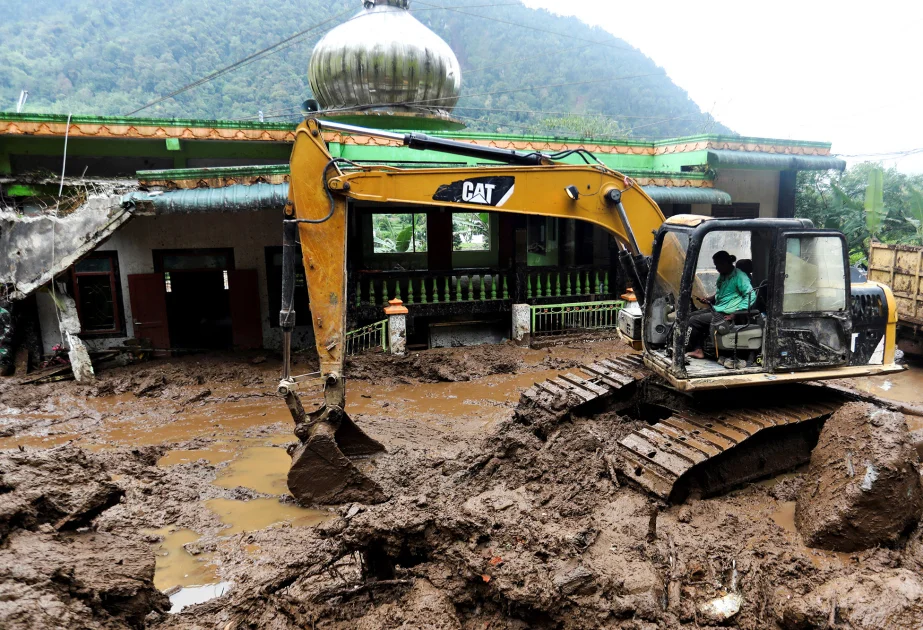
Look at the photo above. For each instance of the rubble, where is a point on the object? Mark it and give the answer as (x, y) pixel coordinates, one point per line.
(79, 356)
(515, 520)
(862, 487)
(892, 598)
(55, 571)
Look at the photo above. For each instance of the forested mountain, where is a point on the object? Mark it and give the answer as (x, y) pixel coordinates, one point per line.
(110, 57)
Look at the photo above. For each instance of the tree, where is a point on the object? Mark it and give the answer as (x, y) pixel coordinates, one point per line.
(864, 201)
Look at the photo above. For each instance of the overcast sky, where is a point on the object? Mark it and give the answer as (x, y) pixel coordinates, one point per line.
(842, 72)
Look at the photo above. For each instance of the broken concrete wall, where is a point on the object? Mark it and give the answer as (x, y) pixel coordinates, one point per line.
(34, 249)
(77, 353)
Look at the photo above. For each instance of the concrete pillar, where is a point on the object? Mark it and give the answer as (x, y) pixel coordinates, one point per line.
(77, 350)
(397, 326)
(522, 324)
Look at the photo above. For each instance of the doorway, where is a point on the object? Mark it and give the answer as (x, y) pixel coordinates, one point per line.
(198, 300)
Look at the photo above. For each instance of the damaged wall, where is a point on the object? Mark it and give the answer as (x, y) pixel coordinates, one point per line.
(31, 257)
(248, 233)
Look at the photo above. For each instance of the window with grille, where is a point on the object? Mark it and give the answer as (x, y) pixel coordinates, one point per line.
(96, 292)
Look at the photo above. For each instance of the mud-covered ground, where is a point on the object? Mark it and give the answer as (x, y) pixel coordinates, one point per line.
(494, 520)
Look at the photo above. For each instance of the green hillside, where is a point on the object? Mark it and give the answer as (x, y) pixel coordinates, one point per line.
(113, 56)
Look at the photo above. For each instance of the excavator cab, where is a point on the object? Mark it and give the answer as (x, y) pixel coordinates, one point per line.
(802, 322)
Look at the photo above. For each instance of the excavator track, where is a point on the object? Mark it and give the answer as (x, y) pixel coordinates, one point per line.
(712, 447)
(658, 456)
(587, 384)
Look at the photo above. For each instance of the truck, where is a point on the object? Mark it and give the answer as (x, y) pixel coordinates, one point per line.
(901, 268)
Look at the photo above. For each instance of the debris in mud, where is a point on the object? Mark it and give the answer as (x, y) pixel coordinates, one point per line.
(439, 364)
(152, 386)
(60, 487)
(892, 598)
(55, 571)
(862, 487)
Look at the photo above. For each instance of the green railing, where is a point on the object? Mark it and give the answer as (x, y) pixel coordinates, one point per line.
(557, 319)
(566, 283)
(431, 289)
(368, 337)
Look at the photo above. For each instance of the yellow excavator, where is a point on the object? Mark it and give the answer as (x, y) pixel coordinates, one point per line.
(809, 320)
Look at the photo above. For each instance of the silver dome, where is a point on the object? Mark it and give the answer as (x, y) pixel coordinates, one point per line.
(383, 60)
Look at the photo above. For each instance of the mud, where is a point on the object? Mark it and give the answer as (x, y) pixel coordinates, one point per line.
(495, 520)
(864, 484)
(56, 572)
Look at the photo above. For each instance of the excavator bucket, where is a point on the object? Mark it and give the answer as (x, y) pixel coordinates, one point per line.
(326, 464)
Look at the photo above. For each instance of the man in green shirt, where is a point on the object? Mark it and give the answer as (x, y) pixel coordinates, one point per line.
(734, 293)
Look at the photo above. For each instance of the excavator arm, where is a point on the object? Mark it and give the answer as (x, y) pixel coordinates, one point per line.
(321, 186)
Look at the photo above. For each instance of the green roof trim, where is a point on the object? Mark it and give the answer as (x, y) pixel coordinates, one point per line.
(461, 135)
(682, 194)
(757, 160)
(145, 122)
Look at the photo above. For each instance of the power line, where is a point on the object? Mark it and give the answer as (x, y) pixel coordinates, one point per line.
(524, 59)
(276, 48)
(285, 111)
(531, 28)
(885, 155)
(356, 108)
(510, 91)
(554, 113)
(546, 132)
(238, 64)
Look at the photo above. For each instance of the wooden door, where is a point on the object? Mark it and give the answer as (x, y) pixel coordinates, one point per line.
(148, 298)
(246, 325)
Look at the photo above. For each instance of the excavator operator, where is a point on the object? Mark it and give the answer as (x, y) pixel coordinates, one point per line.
(734, 293)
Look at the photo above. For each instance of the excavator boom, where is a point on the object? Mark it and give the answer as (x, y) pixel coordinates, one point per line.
(811, 324)
(321, 186)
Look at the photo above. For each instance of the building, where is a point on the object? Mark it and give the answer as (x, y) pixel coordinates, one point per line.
(170, 229)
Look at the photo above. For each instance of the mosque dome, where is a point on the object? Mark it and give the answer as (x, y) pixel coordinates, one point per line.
(383, 68)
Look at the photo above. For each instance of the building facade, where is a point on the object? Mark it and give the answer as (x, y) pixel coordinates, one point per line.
(202, 270)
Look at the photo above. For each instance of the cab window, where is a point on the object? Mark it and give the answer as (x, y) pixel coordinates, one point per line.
(815, 274)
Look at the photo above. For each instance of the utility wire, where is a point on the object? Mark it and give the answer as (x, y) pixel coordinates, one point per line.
(553, 53)
(885, 155)
(531, 28)
(354, 108)
(510, 91)
(279, 46)
(238, 64)
(542, 112)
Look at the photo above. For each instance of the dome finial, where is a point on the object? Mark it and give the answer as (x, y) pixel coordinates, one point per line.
(385, 64)
(403, 4)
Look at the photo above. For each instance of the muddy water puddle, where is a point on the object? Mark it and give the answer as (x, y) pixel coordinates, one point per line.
(219, 420)
(784, 517)
(260, 468)
(906, 386)
(192, 595)
(220, 452)
(177, 567)
(257, 514)
(477, 404)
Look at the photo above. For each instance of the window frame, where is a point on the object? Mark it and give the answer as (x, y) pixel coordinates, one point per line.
(490, 237)
(847, 288)
(115, 287)
(412, 251)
